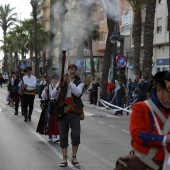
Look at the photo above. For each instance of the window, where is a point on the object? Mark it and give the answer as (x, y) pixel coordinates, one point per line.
(160, 1)
(165, 68)
(159, 25)
(101, 15)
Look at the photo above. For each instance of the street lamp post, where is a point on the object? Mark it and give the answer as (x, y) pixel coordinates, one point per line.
(85, 56)
(34, 4)
(114, 38)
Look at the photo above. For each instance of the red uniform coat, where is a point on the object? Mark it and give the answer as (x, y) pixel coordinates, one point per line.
(144, 132)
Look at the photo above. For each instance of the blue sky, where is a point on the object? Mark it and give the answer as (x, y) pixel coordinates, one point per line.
(23, 8)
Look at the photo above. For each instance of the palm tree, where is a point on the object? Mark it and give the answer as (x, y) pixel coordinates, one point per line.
(51, 37)
(7, 19)
(138, 6)
(148, 38)
(42, 35)
(93, 35)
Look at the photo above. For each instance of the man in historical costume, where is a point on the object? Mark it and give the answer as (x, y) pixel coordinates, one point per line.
(11, 88)
(74, 91)
(29, 86)
(147, 121)
(48, 124)
(16, 94)
(22, 73)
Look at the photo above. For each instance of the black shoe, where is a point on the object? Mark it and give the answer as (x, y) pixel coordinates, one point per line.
(29, 118)
(16, 113)
(25, 120)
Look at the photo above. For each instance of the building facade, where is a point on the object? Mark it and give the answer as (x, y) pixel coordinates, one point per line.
(161, 54)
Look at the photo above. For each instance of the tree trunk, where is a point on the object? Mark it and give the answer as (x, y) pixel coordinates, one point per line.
(89, 41)
(5, 53)
(137, 40)
(148, 39)
(51, 53)
(107, 58)
(16, 60)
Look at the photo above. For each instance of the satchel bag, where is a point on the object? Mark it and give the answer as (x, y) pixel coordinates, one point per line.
(71, 108)
(130, 162)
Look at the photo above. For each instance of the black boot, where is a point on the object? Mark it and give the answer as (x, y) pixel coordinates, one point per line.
(29, 117)
(16, 112)
(25, 115)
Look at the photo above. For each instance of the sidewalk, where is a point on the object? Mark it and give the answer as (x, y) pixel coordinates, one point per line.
(109, 112)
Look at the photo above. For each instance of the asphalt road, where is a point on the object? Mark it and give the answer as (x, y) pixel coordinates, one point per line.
(103, 140)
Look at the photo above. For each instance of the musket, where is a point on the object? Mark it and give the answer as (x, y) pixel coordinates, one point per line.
(47, 106)
(59, 103)
(22, 81)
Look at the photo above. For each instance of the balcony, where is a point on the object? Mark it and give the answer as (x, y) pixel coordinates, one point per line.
(102, 46)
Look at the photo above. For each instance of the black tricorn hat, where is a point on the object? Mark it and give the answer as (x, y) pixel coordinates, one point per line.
(29, 68)
(163, 79)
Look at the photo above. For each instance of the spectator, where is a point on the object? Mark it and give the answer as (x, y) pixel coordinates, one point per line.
(120, 93)
(85, 88)
(135, 87)
(90, 91)
(142, 89)
(129, 91)
(2, 80)
(95, 86)
(110, 90)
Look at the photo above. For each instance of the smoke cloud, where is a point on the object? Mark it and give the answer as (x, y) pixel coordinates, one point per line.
(77, 20)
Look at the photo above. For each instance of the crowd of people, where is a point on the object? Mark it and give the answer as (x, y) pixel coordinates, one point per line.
(149, 120)
(22, 90)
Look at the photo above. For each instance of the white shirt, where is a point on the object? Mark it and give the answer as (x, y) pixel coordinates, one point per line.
(30, 81)
(72, 88)
(51, 95)
(43, 82)
(12, 81)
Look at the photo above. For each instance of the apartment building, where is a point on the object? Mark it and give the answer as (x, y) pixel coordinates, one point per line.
(161, 52)
(43, 16)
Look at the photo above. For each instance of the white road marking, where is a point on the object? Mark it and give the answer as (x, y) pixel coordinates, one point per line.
(112, 126)
(91, 118)
(45, 142)
(38, 110)
(2, 105)
(100, 122)
(125, 131)
(0, 110)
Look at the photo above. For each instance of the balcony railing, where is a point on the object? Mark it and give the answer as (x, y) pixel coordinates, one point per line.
(102, 42)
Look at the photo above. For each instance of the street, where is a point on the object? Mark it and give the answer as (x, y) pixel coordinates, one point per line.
(103, 140)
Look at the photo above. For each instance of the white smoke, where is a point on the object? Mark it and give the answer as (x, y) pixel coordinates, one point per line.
(76, 22)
